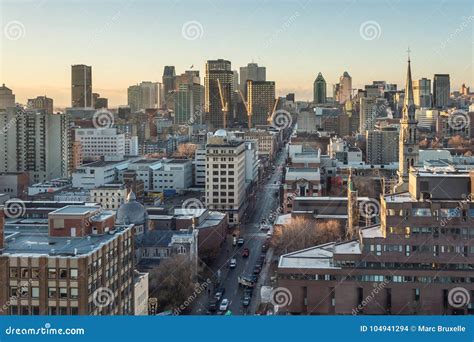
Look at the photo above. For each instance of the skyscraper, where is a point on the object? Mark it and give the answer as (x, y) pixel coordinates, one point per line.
(408, 149)
(218, 91)
(261, 100)
(183, 104)
(169, 85)
(144, 96)
(7, 98)
(422, 93)
(41, 102)
(441, 90)
(345, 87)
(251, 72)
(81, 86)
(319, 90)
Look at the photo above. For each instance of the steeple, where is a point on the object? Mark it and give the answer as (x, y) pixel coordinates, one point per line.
(409, 102)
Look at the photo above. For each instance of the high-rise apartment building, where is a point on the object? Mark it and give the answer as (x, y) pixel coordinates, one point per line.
(41, 102)
(225, 176)
(382, 146)
(261, 100)
(422, 93)
(81, 86)
(345, 88)
(7, 98)
(441, 90)
(319, 90)
(218, 93)
(35, 142)
(188, 98)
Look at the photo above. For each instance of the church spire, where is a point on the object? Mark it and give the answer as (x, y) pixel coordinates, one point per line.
(409, 102)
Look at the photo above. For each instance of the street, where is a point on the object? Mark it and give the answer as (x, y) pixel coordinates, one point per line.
(266, 202)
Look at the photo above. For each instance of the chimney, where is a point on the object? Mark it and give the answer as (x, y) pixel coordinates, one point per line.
(2, 228)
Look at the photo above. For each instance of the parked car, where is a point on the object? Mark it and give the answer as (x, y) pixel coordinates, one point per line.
(219, 293)
(233, 263)
(246, 301)
(224, 305)
(257, 269)
(240, 241)
(234, 241)
(213, 305)
(246, 252)
(264, 247)
(248, 292)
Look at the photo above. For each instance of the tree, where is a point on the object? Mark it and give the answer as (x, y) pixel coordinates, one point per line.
(458, 142)
(302, 233)
(171, 282)
(186, 150)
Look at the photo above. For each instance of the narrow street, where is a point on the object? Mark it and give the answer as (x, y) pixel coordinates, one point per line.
(266, 202)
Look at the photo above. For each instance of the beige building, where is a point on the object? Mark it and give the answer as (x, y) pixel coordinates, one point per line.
(267, 144)
(7, 98)
(109, 196)
(41, 102)
(225, 176)
(382, 146)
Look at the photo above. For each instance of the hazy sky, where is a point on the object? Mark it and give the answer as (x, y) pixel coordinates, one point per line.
(128, 41)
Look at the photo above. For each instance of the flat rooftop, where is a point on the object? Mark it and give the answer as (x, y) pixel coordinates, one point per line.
(35, 241)
(75, 210)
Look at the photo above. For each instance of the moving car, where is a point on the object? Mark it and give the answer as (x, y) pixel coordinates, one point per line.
(246, 281)
(246, 301)
(219, 293)
(213, 305)
(246, 252)
(234, 241)
(240, 241)
(233, 263)
(224, 305)
(248, 292)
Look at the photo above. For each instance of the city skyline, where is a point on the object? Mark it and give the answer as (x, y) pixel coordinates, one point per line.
(278, 36)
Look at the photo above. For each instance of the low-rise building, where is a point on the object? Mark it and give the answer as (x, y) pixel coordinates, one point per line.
(109, 196)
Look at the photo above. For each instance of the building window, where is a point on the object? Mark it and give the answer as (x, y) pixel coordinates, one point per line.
(62, 292)
(73, 273)
(13, 272)
(52, 274)
(52, 292)
(35, 292)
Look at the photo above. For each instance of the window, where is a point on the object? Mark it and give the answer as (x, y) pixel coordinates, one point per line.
(62, 292)
(52, 292)
(35, 273)
(52, 274)
(73, 272)
(35, 292)
(25, 273)
(13, 272)
(62, 273)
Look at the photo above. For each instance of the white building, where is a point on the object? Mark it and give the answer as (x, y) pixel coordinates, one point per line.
(174, 174)
(48, 186)
(89, 176)
(427, 118)
(109, 196)
(100, 142)
(144, 169)
(140, 294)
(225, 176)
(251, 161)
(200, 167)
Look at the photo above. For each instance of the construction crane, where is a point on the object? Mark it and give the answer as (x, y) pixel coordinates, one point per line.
(224, 103)
(247, 109)
(273, 111)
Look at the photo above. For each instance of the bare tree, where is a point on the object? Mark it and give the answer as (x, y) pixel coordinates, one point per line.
(302, 233)
(171, 282)
(186, 150)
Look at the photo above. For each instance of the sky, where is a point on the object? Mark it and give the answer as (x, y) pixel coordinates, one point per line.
(129, 41)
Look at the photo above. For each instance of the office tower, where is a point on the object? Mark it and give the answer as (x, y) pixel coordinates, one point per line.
(373, 91)
(422, 93)
(7, 98)
(73, 261)
(408, 141)
(368, 113)
(81, 86)
(169, 86)
(345, 88)
(41, 102)
(382, 146)
(144, 96)
(225, 176)
(319, 90)
(441, 90)
(191, 79)
(427, 118)
(96, 143)
(261, 100)
(235, 80)
(101, 102)
(184, 105)
(35, 142)
(251, 72)
(218, 93)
